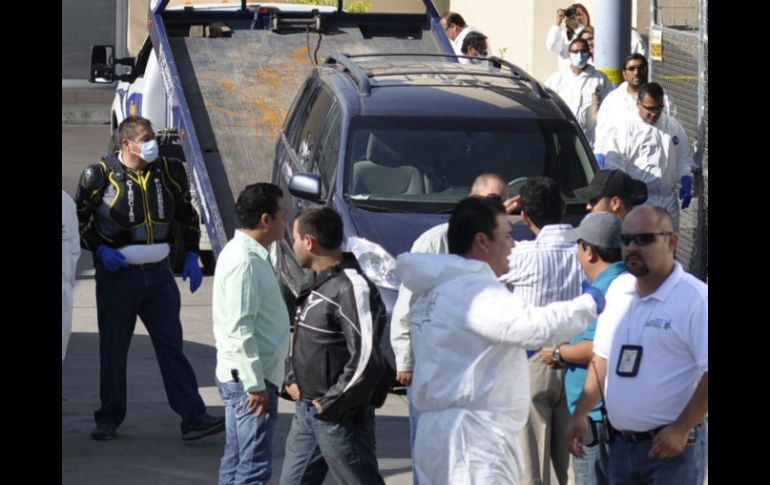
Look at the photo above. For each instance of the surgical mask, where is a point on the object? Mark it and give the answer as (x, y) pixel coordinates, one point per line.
(476, 60)
(579, 59)
(148, 150)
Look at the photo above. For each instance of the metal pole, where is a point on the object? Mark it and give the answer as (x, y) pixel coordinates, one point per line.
(701, 177)
(653, 23)
(612, 37)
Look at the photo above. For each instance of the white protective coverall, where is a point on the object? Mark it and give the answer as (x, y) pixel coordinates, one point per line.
(658, 155)
(70, 251)
(471, 381)
(577, 91)
(615, 108)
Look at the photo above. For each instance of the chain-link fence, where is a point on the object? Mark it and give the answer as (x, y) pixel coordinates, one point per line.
(683, 73)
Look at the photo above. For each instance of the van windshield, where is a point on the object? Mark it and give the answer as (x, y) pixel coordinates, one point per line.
(429, 164)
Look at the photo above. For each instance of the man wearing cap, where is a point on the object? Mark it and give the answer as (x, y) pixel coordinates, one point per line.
(598, 250)
(653, 147)
(651, 357)
(613, 191)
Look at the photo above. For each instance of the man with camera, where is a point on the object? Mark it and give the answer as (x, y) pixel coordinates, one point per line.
(559, 37)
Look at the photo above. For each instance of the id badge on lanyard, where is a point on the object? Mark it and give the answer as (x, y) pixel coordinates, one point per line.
(629, 361)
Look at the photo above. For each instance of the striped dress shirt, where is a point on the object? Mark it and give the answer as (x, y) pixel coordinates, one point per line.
(545, 270)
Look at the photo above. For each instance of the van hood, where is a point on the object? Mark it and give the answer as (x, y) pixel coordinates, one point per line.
(394, 231)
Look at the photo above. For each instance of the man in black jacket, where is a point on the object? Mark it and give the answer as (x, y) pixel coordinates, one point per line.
(127, 204)
(337, 367)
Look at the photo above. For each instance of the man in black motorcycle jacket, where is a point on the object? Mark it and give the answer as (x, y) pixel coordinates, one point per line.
(338, 372)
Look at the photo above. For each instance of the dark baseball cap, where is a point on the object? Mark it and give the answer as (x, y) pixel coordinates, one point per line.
(614, 183)
(598, 228)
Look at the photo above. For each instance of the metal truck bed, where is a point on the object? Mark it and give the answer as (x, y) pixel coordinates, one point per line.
(238, 90)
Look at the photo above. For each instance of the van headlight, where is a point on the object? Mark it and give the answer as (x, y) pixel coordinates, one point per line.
(378, 265)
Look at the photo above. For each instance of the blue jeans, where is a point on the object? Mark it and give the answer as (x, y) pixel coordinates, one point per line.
(414, 417)
(154, 297)
(592, 469)
(248, 457)
(630, 463)
(346, 448)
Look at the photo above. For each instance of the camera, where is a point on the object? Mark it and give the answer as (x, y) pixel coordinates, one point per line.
(570, 12)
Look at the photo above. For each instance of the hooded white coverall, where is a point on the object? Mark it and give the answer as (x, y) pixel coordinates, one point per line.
(471, 381)
(659, 155)
(70, 251)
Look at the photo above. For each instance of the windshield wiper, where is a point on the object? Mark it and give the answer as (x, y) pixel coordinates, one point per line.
(375, 208)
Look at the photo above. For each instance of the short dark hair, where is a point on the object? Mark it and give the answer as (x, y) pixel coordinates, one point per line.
(323, 223)
(127, 127)
(255, 200)
(475, 40)
(578, 40)
(653, 90)
(454, 18)
(608, 255)
(541, 200)
(470, 217)
(635, 57)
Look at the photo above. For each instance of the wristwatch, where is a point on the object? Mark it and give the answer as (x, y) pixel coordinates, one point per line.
(557, 354)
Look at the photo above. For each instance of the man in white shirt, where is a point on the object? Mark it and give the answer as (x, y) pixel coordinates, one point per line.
(654, 148)
(70, 252)
(456, 29)
(581, 87)
(620, 104)
(469, 334)
(651, 355)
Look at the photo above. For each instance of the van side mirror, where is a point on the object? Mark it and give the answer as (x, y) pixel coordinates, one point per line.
(102, 64)
(306, 186)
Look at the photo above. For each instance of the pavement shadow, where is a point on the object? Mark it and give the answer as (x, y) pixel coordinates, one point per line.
(148, 448)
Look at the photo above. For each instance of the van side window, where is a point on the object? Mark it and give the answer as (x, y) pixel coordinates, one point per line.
(306, 138)
(324, 160)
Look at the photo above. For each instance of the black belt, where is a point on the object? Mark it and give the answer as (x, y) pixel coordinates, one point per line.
(148, 266)
(637, 436)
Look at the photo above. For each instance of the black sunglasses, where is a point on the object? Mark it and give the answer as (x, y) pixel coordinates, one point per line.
(653, 109)
(642, 239)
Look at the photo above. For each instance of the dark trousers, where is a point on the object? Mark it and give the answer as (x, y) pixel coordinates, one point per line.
(154, 297)
(347, 448)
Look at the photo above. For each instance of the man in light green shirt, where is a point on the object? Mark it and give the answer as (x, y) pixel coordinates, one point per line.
(251, 329)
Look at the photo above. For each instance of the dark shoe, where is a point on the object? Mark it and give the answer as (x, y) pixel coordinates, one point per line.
(104, 432)
(207, 426)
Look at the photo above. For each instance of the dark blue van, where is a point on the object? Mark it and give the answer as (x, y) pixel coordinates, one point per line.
(393, 143)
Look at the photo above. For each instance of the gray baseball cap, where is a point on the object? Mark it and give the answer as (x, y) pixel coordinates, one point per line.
(598, 228)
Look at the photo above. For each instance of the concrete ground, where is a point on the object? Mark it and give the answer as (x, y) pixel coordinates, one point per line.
(148, 448)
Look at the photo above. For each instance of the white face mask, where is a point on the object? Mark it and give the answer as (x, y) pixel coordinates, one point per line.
(148, 150)
(579, 59)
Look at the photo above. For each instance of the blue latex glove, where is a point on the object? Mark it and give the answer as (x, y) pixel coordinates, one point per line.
(599, 159)
(597, 295)
(685, 193)
(112, 259)
(192, 270)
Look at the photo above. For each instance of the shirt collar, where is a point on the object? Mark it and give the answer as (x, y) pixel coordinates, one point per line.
(665, 289)
(252, 244)
(553, 231)
(610, 273)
